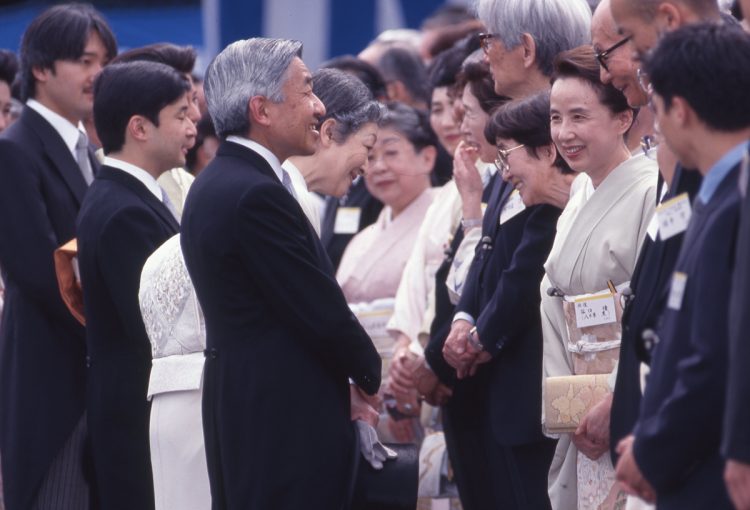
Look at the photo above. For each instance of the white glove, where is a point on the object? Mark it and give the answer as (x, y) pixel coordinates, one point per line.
(374, 452)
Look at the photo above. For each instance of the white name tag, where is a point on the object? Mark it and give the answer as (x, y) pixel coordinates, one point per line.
(677, 291)
(674, 216)
(595, 310)
(347, 220)
(513, 207)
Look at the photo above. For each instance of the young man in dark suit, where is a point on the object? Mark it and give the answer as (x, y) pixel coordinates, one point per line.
(699, 75)
(141, 115)
(45, 169)
(281, 341)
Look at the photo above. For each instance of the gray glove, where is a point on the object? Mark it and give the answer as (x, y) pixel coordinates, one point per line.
(374, 452)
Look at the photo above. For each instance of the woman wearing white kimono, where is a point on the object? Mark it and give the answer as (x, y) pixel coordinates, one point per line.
(598, 238)
(174, 322)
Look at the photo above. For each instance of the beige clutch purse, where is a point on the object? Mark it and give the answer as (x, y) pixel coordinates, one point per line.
(567, 399)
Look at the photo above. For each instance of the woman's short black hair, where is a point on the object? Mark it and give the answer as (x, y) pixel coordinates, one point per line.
(527, 122)
(60, 33)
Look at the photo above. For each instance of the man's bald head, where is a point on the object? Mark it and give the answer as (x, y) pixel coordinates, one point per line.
(621, 70)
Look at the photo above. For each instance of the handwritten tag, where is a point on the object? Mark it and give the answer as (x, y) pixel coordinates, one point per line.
(347, 220)
(595, 310)
(674, 216)
(513, 207)
(677, 290)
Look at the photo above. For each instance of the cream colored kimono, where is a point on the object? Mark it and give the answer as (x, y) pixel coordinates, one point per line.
(599, 235)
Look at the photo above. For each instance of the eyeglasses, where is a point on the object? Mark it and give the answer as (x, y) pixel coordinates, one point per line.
(501, 162)
(604, 55)
(484, 40)
(649, 142)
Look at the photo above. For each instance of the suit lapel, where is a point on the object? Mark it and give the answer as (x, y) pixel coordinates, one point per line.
(59, 155)
(139, 189)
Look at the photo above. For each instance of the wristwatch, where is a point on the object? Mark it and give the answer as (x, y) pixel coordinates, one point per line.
(474, 340)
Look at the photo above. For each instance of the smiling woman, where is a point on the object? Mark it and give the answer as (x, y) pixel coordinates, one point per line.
(598, 239)
(526, 154)
(398, 174)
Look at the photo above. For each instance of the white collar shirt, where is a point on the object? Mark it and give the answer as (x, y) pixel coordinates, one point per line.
(67, 131)
(136, 172)
(262, 151)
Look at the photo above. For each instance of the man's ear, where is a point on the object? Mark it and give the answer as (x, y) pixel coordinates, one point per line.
(670, 16)
(326, 132)
(529, 50)
(41, 74)
(257, 109)
(681, 111)
(138, 128)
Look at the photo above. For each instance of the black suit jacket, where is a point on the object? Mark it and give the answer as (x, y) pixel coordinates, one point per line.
(652, 273)
(42, 347)
(502, 293)
(357, 196)
(678, 432)
(120, 225)
(737, 423)
(281, 342)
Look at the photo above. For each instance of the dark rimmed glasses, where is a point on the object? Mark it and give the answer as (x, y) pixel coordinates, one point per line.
(485, 38)
(501, 161)
(604, 55)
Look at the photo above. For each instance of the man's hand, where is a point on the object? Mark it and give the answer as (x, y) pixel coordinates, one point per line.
(592, 435)
(456, 351)
(737, 478)
(363, 406)
(482, 357)
(629, 474)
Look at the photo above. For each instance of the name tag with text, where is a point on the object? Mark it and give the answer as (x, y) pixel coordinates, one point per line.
(513, 207)
(595, 310)
(674, 216)
(347, 220)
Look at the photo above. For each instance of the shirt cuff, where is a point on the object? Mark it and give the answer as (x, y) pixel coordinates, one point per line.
(464, 316)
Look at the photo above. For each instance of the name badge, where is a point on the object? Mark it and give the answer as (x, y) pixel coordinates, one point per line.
(347, 220)
(595, 310)
(677, 291)
(674, 216)
(513, 207)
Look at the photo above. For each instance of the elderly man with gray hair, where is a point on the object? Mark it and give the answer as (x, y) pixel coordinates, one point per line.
(281, 343)
(524, 36)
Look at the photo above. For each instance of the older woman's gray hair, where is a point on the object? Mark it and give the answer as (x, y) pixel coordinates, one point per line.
(246, 68)
(347, 100)
(555, 25)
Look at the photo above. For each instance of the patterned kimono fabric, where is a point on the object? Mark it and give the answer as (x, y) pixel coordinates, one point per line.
(599, 235)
